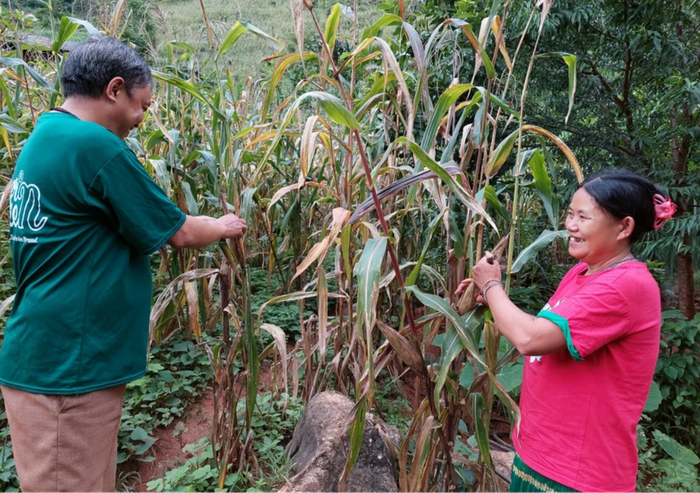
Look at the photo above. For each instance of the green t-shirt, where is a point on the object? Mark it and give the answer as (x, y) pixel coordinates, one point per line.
(84, 218)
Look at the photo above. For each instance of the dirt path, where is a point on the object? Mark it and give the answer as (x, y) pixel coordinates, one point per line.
(195, 424)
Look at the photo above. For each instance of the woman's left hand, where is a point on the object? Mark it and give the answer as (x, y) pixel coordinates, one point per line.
(486, 270)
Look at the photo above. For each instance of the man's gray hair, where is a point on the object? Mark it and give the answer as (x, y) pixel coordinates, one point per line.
(95, 62)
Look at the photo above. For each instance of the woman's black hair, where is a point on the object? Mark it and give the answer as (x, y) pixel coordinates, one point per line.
(622, 193)
(95, 62)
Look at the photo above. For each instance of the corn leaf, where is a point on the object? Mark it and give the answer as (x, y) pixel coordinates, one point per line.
(368, 270)
(562, 147)
(529, 252)
(447, 99)
(460, 323)
(499, 156)
(14, 62)
(332, 26)
(238, 29)
(544, 185)
(65, 32)
(445, 176)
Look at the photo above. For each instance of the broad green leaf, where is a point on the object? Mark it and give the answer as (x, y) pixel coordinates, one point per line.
(653, 399)
(447, 99)
(413, 276)
(501, 153)
(476, 401)
(511, 376)
(464, 324)
(357, 432)
(65, 32)
(542, 241)
(543, 184)
(451, 347)
(277, 74)
(14, 62)
(333, 106)
(562, 147)
(466, 378)
(445, 176)
(190, 199)
(489, 193)
(571, 63)
(12, 126)
(675, 449)
(238, 29)
(92, 30)
(368, 271)
(384, 20)
(332, 26)
(189, 88)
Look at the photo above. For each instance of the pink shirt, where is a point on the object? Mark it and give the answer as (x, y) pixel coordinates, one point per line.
(579, 418)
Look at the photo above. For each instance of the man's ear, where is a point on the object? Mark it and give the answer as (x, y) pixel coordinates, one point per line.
(114, 87)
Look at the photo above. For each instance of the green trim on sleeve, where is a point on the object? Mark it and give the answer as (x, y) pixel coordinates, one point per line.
(563, 324)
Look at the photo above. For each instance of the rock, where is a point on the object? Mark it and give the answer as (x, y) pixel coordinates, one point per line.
(503, 463)
(319, 449)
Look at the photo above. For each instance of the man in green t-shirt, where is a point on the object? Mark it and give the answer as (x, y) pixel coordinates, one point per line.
(84, 218)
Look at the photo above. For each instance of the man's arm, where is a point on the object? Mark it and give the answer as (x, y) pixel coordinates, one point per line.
(200, 231)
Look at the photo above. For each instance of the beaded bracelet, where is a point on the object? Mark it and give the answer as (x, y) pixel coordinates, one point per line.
(488, 286)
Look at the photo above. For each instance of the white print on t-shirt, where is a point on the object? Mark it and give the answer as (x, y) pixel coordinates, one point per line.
(25, 205)
(546, 308)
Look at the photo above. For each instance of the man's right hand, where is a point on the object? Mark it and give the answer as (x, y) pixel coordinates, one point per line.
(233, 226)
(200, 231)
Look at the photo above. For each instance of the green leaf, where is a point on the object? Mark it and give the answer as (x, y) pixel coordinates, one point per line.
(277, 74)
(12, 126)
(65, 32)
(489, 193)
(190, 199)
(476, 399)
(543, 184)
(189, 88)
(91, 30)
(571, 63)
(654, 398)
(413, 276)
(357, 432)
(445, 176)
(385, 20)
(464, 325)
(14, 62)
(332, 26)
(238, 29)
(368, 270)
(501, 154)
(447, 99)
(511, 376)
(675, 449)
(451, 347)
(334, 107)
(529, 252)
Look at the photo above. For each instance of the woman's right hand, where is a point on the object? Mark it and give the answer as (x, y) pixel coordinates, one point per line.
(486, 270)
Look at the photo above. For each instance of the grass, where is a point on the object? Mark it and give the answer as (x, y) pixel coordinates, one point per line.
(183, 21)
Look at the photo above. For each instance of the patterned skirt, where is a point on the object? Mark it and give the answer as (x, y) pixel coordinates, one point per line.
(524, 478)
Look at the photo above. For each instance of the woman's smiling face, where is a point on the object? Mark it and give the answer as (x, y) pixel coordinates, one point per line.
(594, 235)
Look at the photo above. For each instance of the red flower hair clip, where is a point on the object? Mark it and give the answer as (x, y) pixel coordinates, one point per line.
(664, 209)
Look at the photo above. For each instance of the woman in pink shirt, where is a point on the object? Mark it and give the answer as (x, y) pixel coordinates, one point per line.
(590, 353)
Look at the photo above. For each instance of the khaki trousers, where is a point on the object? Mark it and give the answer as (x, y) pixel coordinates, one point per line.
(65, 443)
